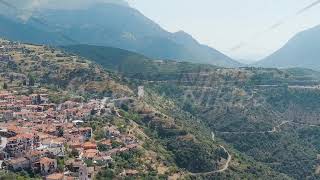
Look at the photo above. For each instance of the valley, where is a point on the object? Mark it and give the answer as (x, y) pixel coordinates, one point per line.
(96, 90)
(263, 113)
(167, 135)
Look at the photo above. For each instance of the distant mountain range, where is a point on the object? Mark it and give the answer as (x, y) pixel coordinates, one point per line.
(111, 25)
(303, 50)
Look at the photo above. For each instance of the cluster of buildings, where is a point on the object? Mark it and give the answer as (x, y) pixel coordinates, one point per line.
(6, 47)
(37, 135)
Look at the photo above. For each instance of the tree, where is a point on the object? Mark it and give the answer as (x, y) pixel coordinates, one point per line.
(60, 164)
(105, 174)
(31, 80)
(5, 86)
(99, 134)
(74, 153)
(102, 147)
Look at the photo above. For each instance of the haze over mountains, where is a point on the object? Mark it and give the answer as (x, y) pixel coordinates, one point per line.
(303, 50)
(115, 25)
(90, 22)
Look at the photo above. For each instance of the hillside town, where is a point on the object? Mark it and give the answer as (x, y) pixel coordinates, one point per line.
(53, 140)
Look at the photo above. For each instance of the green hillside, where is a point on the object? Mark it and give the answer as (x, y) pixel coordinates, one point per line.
(267, 114)
(173, 142)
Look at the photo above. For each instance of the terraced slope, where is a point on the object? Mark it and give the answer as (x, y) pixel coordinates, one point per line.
(173, 145)
(269, 115)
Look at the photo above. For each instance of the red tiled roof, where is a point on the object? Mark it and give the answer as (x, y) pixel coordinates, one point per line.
(46, 160)
(90, 145)
(55, 176)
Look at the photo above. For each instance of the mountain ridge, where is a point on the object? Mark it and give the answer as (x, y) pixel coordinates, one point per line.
(300, 51)
(129, 30)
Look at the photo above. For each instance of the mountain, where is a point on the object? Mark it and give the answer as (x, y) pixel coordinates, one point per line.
(14, 30)
(119, 26)
(169, 138)
(303, 50)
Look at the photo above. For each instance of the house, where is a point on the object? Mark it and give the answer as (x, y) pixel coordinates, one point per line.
(10, 99)
(112, 132)
(55, 176)
(35, 108)
(86, 132)
(18, 145)
(75, 145)
(18, 164)
(4, 94)
(78, 169)
(5, 58)
(89, 145)
(47, 165)
(7, 115)
(35, 155)
(107, 143)
(90, 154)
(83, 173)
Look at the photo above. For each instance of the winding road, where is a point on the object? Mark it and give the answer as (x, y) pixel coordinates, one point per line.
(225, 166)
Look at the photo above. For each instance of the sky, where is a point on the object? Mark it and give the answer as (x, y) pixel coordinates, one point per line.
(246, 30)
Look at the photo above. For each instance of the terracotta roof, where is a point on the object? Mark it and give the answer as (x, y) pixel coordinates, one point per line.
(131, 172)
(69, 178)
(89, 155)
(91, 151)
(21, 136)
(106, 142)
(35, 153)
(55, 176)
(17, 160)
(90, 145)
(46, 160)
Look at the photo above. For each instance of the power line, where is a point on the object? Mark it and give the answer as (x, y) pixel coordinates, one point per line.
(275, 25)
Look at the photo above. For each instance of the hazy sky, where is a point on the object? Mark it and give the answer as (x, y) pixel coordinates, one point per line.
(258, 27)
(223, 24)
